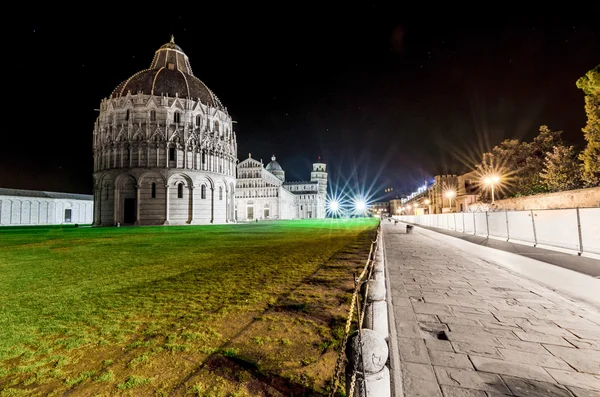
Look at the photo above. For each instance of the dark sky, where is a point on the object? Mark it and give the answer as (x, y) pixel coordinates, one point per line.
(388, 96)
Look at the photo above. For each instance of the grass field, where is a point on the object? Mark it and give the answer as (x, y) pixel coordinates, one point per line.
(232, 310)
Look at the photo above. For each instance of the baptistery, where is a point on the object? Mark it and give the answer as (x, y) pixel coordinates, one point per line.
(164, 149)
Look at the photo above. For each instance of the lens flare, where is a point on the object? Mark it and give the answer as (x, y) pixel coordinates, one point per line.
(360, 205)
(334, 206)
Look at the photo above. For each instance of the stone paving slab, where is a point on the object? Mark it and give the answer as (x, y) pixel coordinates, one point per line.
(469, 328)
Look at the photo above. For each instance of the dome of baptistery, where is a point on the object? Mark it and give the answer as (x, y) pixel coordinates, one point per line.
(164, 149)
(169, 74)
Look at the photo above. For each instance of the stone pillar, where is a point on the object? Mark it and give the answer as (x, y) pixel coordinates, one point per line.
(167, 198)
(369, 358)
(212, 204)
(116, 205)
(376, 308)
(137, 205)
(98, 207)
(191, 189)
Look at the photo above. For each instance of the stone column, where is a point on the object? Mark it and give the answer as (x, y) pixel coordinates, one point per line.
(137, 205)
(192, 221)
(116, 205)
(212, 204)
(167, 198)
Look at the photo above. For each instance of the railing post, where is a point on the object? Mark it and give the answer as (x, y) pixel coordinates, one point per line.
(474, 225)
(487, 224)
(534, 233)
(579, 233)
(372, 376)
(507, 229)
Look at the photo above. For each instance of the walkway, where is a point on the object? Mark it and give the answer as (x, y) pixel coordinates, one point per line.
(581, 264)
(464, 326)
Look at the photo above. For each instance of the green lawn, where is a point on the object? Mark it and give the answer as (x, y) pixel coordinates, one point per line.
(229, 310)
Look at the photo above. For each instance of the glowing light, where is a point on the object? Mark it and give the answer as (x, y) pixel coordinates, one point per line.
(334, 206)
(450, 193)
(427, 202)
(491, 181)
(360, 205)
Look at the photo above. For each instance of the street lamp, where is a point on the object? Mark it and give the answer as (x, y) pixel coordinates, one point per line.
(450, 194)
(492, 181)
(427, 201)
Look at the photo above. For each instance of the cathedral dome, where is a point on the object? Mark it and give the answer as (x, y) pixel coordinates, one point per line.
(273, 165)
(169, 74)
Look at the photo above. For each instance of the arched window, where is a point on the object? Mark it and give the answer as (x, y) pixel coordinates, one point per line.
(127, 115)
(198, 120)
(153, 115)
(220, 192)
(203, 191)
(107, 191)
(153, 189)
(177, 117)
(180, 190)
(216, 127)
(203, 156)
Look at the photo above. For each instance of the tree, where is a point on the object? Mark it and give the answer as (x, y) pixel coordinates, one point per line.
(590, 84)
(520, 163)
(561, 169)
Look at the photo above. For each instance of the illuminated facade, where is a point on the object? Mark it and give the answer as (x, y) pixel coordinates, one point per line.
(164, 149)
(262, 192)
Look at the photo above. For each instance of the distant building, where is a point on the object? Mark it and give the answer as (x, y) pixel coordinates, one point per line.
(30, 207)
(263, 193)
(380, 208)
(447, 193)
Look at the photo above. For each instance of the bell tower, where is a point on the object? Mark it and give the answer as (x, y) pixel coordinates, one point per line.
(319, 174)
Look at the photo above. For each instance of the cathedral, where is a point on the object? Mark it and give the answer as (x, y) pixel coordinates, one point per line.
(263, 193)
(165, 153)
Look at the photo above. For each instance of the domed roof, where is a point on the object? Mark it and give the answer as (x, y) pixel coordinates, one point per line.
(169, 74)
(273, 165)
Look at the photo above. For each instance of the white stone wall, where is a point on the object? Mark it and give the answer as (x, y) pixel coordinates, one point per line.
(152, 146)
(20, 210)
(166, 207)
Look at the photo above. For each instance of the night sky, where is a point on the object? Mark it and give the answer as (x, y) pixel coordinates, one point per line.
(388, 96)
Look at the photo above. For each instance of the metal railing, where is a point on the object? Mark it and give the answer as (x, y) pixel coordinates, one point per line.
(357, 382)
(573, 229)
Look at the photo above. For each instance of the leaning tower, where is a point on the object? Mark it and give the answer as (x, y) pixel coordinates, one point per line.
(319, 174)
(164, 149)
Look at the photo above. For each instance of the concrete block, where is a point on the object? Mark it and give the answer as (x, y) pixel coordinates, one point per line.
(571, 378)
(470, 379)
(450, 359)
(515, 344)
(451, 391)
(441, 345)
(493, 365)
(534, 388)
(413, 350)
(418, 380)
(542, 360)
(542, 338)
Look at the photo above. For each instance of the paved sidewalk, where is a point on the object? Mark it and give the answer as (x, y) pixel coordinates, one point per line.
(570, 261)
(466, 327)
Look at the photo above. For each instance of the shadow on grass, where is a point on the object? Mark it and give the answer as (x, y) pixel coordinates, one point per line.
(231, 368)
